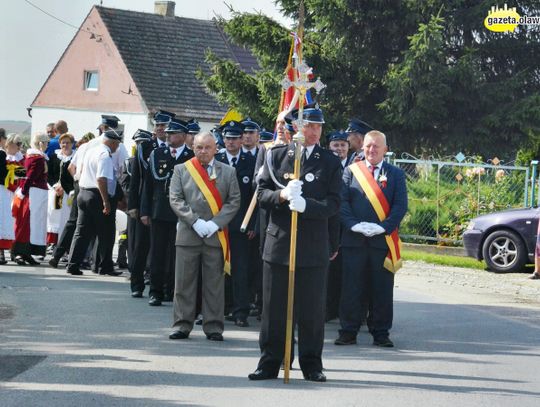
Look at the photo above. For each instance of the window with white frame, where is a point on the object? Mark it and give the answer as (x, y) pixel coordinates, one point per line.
(91, 80)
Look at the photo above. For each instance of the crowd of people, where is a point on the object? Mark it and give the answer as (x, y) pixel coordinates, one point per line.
(209, 218)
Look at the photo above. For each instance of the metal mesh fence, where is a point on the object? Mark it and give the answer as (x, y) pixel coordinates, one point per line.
(445, 195)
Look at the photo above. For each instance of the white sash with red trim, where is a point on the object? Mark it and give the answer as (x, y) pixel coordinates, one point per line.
(380, 204)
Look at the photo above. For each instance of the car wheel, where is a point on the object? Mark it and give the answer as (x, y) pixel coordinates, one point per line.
(504, 252)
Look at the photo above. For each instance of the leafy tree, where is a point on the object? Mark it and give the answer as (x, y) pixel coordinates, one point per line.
(426, 72)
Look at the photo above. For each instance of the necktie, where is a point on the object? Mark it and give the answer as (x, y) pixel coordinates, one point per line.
(162, 144)
(209, 170)
(173, 152)
(233, 161)
(373, 169)
(304, 156)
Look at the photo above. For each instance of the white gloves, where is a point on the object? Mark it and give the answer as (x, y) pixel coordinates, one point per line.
(293, 189)
(205, 228)
(211, 227)
(298, 204)
(201, 228)
(368, 229)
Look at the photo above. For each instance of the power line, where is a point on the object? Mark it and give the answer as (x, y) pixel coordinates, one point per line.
(58, 19)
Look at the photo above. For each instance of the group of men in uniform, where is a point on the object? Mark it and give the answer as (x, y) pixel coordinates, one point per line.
(187, 204)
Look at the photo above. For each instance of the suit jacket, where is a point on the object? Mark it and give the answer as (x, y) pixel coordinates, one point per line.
(355, 207)
(189, 204)
(321, 174)
(155, 195)
(244, 174)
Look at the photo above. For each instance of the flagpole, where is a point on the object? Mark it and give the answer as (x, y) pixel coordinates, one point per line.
(299, 139)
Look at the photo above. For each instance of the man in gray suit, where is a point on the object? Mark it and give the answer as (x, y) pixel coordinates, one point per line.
(198, 237)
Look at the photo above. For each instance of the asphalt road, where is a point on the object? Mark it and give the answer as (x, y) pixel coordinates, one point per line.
(83, 341)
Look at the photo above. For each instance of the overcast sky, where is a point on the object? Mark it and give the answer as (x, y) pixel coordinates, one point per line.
(31, 42)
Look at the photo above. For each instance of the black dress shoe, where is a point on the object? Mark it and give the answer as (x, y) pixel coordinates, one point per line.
(168, 298)
(53, 263)
(241, 322)
(198, 321)
(30, 260)
(315, 376)
(383, 342)
(75, 272)
(136, 294)
(110, 273)
(154, 301)
(19, 260)
(122, 265)
(261, 374)
(346, 338)
(178, 335)
(86, 266)
(215, 336)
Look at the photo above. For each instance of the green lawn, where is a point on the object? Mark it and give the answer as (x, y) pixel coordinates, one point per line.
(445, 260)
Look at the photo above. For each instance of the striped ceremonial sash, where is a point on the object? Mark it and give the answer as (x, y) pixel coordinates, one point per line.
(212, 196)
(381, 206)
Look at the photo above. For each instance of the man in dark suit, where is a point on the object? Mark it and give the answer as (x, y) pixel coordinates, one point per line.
(244, 163)
(339, 145)
(316, 197)
(156, 210)
(373, 203)
(138, 233)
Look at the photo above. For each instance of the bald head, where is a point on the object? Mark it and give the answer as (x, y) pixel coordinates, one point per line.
(61, 127)
(204, 147)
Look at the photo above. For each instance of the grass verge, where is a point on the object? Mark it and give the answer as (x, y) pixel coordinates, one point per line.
(445, 260)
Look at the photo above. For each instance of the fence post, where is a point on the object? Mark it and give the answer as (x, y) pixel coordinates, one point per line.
(534, 165)
(439, 165)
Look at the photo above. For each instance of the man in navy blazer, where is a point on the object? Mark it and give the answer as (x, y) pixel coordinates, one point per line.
(364, 245)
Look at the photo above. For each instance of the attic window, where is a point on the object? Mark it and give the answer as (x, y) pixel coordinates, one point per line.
(91, 80)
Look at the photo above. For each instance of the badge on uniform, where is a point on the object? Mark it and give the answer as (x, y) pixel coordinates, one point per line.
(245, 180)
(309, 177)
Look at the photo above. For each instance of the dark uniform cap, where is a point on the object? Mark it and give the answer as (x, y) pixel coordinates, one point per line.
(177, 126)
(232, 129)
(163, 117)
(108, 120)
(193, 126)
(113, 135)
(312, 113)
(266, 136)
(358, 126)
(338, 135)
(250, 125)
(141, 135)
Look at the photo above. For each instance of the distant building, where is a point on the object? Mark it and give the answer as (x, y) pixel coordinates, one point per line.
(130, 64)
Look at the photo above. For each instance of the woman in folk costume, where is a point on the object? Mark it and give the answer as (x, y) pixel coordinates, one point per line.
(30, 205)
(11, 168)
(60, 194)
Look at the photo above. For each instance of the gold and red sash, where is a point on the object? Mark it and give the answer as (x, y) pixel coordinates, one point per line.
(381, 206)
(212, 196)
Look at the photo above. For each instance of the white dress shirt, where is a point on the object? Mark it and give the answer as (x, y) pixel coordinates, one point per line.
(230, 157)
(309, 150)
(377, 170)
(179, 151)
(98, 163)
(253, 151)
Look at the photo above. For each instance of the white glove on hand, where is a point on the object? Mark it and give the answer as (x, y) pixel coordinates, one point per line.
(298, 204)
(293, 189)
(201, 228)
(211, 227)
(374, 229)
(360, 228)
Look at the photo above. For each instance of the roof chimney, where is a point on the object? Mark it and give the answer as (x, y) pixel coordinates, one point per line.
(164, 8)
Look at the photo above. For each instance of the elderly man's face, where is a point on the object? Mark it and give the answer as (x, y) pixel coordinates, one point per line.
(204, 149)
(340, 147)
